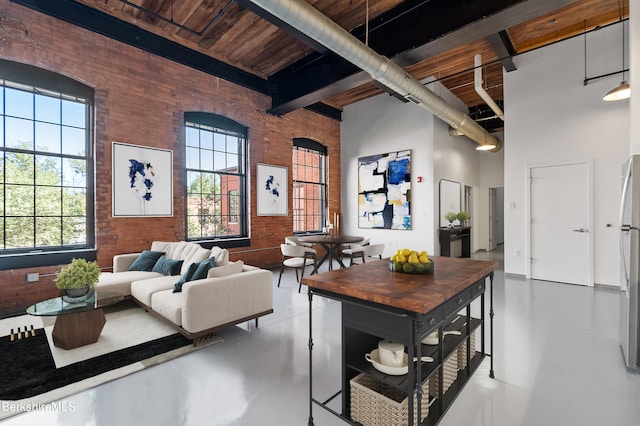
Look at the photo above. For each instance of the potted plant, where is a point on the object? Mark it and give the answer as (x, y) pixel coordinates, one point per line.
(450, 216)
(462, 217)
(77, 280)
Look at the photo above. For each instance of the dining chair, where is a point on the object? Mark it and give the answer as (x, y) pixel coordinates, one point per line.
(296, 257)
(367, 252)
(295, 241)
(348, 250)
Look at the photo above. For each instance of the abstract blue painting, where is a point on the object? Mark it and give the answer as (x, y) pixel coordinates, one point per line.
(272, 190)
(142, 181)
(384, 191)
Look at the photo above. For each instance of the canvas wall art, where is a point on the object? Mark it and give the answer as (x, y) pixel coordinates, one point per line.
(142, 181)
(384, 191)
(271, 189)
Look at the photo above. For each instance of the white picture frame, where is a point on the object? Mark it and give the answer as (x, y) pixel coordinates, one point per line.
(142, 181)
(272, 190)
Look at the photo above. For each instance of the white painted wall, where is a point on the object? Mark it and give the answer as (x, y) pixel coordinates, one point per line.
(634, 78)
(551, 117)
(383, 124)
(456, 159)
(376, 126)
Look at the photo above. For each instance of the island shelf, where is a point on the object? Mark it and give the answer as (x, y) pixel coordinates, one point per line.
(379, 304)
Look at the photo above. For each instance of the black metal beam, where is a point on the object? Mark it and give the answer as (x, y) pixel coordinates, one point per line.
(501, 44)
(102, 23)
(326, 110)
(412, 32)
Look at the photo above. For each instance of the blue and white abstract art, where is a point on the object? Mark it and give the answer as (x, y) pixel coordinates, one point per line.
(384, 191)
(142, 181)
(271, 184)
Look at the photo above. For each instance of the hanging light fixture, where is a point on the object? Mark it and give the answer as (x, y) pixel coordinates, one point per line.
(623, 91)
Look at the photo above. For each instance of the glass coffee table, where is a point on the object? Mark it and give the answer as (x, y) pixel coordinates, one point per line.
(77, 324)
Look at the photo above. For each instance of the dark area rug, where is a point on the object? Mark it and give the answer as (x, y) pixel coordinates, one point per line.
(28, 368)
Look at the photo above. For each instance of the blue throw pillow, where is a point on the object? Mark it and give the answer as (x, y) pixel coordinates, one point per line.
(203, 267)
(177, 287)
(167, 266)
(146, 261)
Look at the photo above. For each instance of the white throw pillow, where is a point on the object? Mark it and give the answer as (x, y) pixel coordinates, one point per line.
(228, 269)
(220, 255)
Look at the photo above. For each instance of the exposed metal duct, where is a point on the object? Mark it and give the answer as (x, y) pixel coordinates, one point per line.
(306, 19)
(477, 80)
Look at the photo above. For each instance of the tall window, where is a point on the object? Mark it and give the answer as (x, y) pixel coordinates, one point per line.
(216, 177)
(309, 185)
(46, 162)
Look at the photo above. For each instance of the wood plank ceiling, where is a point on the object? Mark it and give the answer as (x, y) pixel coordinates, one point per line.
(437, 38)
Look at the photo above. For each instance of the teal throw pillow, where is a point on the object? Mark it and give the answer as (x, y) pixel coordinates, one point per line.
(146, 261)
(167, 266)
(202, 269)
(177, 287)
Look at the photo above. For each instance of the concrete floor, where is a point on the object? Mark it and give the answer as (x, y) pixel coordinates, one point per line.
(557, 362)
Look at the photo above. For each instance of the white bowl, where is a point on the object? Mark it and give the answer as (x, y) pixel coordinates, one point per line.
(374, 359)
(432, 338)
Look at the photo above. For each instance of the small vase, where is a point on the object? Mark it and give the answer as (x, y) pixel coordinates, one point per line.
(77, 295)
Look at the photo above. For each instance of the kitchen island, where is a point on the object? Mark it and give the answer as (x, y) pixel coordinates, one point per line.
(380, 304)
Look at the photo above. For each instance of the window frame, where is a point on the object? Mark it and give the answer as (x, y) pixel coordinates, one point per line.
(40, 81)
(227, 127)
(313, 146)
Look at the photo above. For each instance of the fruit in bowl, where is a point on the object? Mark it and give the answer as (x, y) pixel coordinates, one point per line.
(411, 262)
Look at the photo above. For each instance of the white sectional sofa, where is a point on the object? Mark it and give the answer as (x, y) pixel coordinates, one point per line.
(230, 293)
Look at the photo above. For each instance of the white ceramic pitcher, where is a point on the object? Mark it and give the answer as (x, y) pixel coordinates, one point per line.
(391, 353)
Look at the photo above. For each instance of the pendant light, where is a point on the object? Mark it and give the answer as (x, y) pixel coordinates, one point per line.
(622, 91)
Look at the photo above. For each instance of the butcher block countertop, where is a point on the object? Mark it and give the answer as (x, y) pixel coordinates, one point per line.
(374, 282)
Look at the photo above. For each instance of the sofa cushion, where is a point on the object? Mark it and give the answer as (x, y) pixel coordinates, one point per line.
(182, 250)
(146, 261)
(177, 287)
(220, 255)
(228, 269)
(142, 290)
(202, 269)
(167, 266)
(120, 282)
(169, 305)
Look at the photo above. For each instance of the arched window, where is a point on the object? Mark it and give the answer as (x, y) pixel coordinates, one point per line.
(46, 167)
(309, 185)
(216, 164)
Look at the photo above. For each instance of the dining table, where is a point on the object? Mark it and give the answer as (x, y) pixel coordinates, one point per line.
(331, 245)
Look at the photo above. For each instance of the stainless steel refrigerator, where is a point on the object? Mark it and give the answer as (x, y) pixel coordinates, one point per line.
(630, 262)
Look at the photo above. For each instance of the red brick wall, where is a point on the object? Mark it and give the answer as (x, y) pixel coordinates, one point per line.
(140, 99)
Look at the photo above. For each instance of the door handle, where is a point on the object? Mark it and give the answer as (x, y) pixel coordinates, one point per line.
(581, 230)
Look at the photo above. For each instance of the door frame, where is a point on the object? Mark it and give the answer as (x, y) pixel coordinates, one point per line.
(590, 213)
(492, 213)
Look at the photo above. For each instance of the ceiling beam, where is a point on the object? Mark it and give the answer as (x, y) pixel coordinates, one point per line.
(109, 26)
(102, 23)
(501, 44)
(410, 33)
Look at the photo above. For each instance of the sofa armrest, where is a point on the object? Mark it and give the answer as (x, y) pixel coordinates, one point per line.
(121, 262)
(211, 302)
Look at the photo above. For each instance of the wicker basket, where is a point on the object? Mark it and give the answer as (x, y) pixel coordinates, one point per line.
(462, 352)
(374, 403)
(450, 370)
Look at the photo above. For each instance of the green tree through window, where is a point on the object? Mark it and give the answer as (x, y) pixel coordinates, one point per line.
(216, 177)
(45, 167)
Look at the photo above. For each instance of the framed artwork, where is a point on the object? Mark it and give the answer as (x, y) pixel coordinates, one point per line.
(142, 179)
(271, 187)
(384, 191)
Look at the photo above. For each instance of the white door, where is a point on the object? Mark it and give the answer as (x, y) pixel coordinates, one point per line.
(560, 219)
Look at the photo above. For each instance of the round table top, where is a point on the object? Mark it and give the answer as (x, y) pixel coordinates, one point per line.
(57, 306)
(331, 239)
